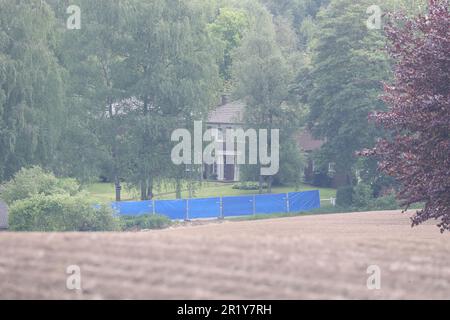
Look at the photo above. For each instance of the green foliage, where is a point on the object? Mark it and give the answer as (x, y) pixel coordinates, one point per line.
(344, 196)
(369, 174)
(361, 198)
(103, 100)
(39, 201)
(263, 73)
(248, 186)
(362, 195)
(31, 86)
(292, 163)
(228, 28)
(342, 83)
(388, 202)
(32, 181)
(171, 66)
(295, 10)
(138, 69)
(145, 222)
(60, 212)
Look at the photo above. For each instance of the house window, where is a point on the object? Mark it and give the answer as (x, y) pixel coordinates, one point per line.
(220, 135)
(331, 168)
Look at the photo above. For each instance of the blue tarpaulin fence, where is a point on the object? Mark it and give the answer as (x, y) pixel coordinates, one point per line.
(223, 206)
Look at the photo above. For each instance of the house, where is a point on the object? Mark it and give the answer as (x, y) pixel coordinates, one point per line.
(230, 115)
(308, 144)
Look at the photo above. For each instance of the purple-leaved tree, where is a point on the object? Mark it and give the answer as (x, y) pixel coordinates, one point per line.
(417, 151)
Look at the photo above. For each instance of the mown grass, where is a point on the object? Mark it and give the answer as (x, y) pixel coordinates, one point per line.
(104, 192)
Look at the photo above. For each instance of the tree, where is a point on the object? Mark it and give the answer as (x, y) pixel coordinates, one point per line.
(263, 77)
(137, 70)
(228, 27)
(417, 151)
(95, 57)
(30, 117)
(295, 10)
(343, 81)
(170, 68)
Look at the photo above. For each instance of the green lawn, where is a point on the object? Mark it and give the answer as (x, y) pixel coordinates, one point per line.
(104, 192)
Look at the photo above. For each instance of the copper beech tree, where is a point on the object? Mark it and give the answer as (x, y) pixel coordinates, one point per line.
(417, 150)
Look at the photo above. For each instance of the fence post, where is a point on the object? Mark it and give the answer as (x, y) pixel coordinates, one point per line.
(254, 205)
(220, 208)
(287, 203)
(153, 207)
(187, 210)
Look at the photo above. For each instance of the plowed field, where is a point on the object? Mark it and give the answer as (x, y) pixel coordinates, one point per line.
(324, 256)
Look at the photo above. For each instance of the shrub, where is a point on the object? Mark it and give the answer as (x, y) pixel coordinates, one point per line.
(60, 212)
(249, 186)
(32, 181)
(145, 222)
(362, 195)
(321, 180)
(344, 196)
(384, 203)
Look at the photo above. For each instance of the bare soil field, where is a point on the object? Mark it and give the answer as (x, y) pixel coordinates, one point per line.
(309, 257)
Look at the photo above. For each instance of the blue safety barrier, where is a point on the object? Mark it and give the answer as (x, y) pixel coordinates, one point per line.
(135, 208)
(270, 203)
(304, 201)
(204, 208)
(237, 206)
(223, 207)
(173, 209)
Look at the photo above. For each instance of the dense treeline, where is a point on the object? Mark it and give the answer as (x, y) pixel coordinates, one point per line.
(103, 100)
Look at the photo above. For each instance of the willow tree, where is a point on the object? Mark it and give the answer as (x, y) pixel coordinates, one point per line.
(31, 87)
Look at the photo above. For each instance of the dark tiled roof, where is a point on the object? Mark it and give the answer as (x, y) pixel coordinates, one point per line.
(230, 113)
(233, 113)
(307, 142)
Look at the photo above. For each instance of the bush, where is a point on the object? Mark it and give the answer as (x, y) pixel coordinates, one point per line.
(249, 186)
(344, 196)
(145, 222)
(384, 203)
(321, 180)
(362, 195)
(60, 212)
(32, 181)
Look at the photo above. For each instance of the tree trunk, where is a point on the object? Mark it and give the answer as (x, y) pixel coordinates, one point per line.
(349, 177)
(118, 188)
(150, 189)
(191, 168)
(261, 180)
(117, 185)
(143, 190)
(178, 188)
